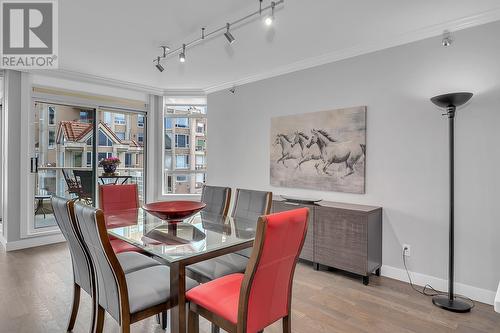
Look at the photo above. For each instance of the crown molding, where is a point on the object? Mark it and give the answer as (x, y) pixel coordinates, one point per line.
(95, 79)
(365, 48)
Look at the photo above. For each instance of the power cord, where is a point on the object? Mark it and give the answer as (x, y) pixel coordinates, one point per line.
(433, 292)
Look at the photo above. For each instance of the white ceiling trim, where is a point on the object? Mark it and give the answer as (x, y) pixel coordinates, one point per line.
(416, 35)
(396, 40)
(95, 79)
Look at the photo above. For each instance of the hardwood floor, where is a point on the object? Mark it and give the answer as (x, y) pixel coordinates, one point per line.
(36, 287)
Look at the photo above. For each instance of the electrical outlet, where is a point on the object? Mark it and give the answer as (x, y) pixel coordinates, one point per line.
(406, 250)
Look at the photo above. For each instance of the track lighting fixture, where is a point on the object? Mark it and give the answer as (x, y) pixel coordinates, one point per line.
(181, 51)
(270, 19)
(159, 66)
(182, 55)
(228, 35)
(447, 39)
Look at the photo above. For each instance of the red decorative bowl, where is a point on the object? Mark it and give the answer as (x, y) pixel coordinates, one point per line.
(174, 211)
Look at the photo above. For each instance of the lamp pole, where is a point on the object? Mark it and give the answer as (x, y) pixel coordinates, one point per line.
(450, 102)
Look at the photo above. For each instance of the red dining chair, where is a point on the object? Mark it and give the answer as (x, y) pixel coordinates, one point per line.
(247, 303)
(118, 198)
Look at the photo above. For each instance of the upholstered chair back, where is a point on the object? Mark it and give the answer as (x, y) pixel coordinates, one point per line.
(251, 204)
(107, 269)
(216, 198)
(79, 256)
(267, 285)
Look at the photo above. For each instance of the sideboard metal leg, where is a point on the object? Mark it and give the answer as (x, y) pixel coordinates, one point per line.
(377, 272)
(316, 266)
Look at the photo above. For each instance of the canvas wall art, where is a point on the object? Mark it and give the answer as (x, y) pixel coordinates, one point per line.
(320, 150)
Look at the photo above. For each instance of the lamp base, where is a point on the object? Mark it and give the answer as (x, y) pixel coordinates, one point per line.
(455, 305)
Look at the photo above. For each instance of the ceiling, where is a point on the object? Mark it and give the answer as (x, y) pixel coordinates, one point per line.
(117, 40)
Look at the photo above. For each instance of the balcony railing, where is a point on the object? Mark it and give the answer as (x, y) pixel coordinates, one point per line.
(200, 166)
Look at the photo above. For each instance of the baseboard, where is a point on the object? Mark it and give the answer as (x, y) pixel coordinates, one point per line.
(477, 294)
(32, 242)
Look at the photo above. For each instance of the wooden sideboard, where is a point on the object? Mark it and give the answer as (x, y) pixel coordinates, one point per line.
(343, 236)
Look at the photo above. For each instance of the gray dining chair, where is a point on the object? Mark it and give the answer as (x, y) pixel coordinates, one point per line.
(248, 205)
(216, 198)
(130, 297)
(83, 274)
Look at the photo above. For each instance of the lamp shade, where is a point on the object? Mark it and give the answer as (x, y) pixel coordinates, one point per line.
(451, 100)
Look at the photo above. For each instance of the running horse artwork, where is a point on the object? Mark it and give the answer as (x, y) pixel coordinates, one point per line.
(323, 150)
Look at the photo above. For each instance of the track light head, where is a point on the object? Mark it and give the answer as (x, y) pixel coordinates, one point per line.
(447, 39)
(159, 66)
(230, 38)
(165, 50)
(182, 55)
(270, 19)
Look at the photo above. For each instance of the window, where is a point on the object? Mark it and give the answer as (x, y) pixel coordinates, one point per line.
(200, 162)
(168, 141)
(77, 160)
(52, 115)
(182, 122)
(182, 161)
(181, 179)
(184, 135)
(107, 118)
(140, 120)
(168, 123)
(89, 159)
(119, 119)
(101, 156)
(104, 140)
(86, 117)
(52, 139)
(140, 137)
(200, 145)
(182, 141)
(128, 159)
(120, 135)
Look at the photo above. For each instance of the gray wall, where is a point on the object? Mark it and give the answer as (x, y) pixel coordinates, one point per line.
(407, 164)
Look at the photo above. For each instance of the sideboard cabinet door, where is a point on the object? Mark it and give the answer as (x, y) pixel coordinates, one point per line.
(308, 249)
(340, 239)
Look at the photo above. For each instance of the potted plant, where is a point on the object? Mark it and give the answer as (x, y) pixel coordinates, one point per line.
(109, 165)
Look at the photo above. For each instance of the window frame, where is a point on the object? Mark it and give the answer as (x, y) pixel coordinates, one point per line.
(163, 121)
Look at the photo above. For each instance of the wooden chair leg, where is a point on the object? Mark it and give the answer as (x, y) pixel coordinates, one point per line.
(125, 324)
(99, 320)
(74, 307)
(287, 324)
(193, 322)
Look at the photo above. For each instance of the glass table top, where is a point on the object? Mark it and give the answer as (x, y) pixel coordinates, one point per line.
(198, 234)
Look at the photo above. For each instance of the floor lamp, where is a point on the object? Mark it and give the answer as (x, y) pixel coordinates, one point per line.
(450, 102)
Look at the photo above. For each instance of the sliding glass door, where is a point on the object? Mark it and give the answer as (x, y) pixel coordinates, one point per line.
(61, 157)
(69, 142)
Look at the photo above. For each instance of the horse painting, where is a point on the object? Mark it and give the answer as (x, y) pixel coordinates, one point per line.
(321, 150)
(348, 152)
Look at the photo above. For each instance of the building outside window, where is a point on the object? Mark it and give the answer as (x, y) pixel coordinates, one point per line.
(128, 159)
(184, 145)
(140, 120)
(52, 115)
(107, 117)
(182, 122)
(182, 161)
(119, 119)
(52, 139)
(140, 137)
(89, 159)
(120, 135)
(104, 140)
(181, 141)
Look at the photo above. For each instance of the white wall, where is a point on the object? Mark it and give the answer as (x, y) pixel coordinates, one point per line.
(407, 166)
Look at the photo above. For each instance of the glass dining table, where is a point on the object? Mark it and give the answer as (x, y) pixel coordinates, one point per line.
(195, 239)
